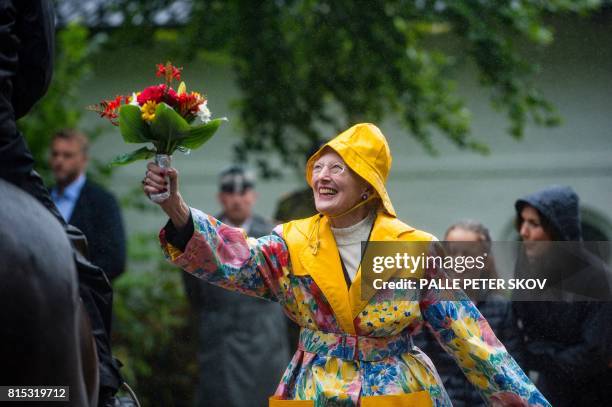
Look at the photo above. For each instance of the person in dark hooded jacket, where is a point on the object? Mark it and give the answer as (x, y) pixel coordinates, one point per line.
(565, 338)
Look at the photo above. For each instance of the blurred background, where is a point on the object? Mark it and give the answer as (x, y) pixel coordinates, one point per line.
(482, 102)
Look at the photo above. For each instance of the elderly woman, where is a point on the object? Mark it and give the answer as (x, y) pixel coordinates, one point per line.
(353, 350)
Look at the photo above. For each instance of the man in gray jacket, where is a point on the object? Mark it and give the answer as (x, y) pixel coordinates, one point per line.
(243, 347)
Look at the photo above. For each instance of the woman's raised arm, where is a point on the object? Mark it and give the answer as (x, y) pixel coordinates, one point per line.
(220, 254)
(466, 335)
(225, 256)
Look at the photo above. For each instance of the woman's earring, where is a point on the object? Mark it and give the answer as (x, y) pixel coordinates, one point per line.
(364, 197)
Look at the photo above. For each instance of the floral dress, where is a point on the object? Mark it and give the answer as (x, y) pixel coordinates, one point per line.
(353, 350)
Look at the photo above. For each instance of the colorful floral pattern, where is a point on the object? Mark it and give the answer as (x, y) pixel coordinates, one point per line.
(261, 267)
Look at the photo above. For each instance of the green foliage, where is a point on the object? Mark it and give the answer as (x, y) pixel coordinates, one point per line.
(199, 135)
(305, 63)
(59, 108)
(152, 332)
(168, 128)
(143, 153)
(139, 25)
(131, 126)
(308, 68)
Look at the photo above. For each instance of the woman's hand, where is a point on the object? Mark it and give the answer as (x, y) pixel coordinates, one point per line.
(154, 182)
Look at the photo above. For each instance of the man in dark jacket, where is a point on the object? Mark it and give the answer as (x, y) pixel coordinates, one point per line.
(85, 204)
(243, 348)
(565, 340)
(26, 64)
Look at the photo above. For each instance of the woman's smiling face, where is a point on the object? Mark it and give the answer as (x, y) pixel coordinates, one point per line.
(335, 186)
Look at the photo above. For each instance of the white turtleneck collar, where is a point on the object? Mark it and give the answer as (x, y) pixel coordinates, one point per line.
(348, 241)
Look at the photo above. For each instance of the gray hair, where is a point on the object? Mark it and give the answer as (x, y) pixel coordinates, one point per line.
(471, 226)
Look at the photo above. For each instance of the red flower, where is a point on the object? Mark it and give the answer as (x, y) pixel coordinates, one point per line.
(154, 93)
(158, 94)
(169, 71)
(171, 98)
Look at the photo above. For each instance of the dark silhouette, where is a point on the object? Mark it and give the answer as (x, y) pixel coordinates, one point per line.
(26, 65)
(46, 334)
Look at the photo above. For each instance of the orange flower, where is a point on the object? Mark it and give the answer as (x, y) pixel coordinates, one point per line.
(189, 103)
(108, 108)
(169, 71)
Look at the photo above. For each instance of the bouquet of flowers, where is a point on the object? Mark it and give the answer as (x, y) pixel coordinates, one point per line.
(164, 118)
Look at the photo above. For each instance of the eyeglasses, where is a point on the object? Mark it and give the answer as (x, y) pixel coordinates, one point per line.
(335, 168)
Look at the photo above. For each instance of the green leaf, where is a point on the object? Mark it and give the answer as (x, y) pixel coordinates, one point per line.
(199, 135)
(132, 127)
(143, 153)
(168, 127)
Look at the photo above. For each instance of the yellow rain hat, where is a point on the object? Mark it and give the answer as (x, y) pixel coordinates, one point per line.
(365, 150)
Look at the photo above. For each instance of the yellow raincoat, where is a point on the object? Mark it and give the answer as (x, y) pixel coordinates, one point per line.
(353, 350)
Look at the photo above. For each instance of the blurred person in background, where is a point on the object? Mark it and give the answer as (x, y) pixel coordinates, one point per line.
(85, 204)
(494, 307)
(565, 337)
(241, 356)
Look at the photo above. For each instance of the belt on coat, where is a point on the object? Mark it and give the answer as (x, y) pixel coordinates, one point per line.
(354, 347)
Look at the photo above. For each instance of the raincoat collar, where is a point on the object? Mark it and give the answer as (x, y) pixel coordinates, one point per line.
(324, 266)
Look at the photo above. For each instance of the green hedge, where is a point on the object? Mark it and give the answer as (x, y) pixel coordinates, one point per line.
(153, 332)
